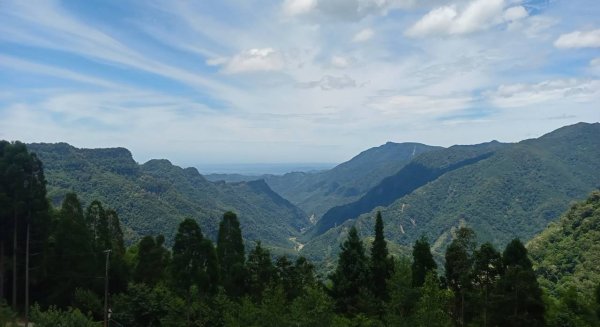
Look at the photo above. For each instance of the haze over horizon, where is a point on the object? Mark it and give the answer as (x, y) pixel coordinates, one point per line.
(294, 81)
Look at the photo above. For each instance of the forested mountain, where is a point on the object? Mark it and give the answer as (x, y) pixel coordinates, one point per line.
(317, 192)
(154, 197)
(512, 190)
(566, 256)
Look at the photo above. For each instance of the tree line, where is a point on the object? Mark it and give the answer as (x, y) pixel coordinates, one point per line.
(53, 263)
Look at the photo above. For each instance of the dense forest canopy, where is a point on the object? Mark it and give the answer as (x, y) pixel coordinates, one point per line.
(59, 264)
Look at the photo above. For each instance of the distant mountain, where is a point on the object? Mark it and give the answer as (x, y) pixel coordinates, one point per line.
(234, 178)
(417, 173)
(567, 253)
(502, 191)
(154, 197)
(317, 192)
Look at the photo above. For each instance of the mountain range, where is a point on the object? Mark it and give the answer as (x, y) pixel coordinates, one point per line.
(501, 190)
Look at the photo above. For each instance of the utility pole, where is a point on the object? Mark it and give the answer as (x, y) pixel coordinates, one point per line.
(27, 277)
(106, 289)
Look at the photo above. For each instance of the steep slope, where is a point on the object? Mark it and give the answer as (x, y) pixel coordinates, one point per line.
(152, 198)
(515, 192)
(567, 253)
(417, 173)
(317, 192)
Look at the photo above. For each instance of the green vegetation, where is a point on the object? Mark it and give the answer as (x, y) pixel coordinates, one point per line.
(566, 259)
(514, 192)
(317, 192)
(153, 198)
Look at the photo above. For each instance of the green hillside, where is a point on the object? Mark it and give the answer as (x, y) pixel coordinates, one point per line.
(567, 253)
(317, 192)
(154, 197)
(515, 192)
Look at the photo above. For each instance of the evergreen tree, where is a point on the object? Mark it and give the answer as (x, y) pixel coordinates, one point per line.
(351, 277)
(381, 264)
(230, 252)
(194, 261)
(487, 269)
(75, 264)
(458, 272)
(518, 297)
(151, 260)
(422, 261)
(403, 296)
(260, 270)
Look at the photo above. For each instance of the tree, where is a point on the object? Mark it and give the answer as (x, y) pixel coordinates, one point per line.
(151, 260)
(403, 296)
(260, 271)
(76, 261)
(458, 271)
(422, 261)
(518, 297)
(351, 277)
(432, 308)
(381, 265)
(194, 260)
(230, 252)
(487, 269)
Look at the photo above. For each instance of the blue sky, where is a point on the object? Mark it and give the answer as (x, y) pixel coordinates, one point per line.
(205, 82)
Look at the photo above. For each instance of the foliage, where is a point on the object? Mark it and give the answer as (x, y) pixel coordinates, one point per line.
(317, 192)
(351, 277)
(230, 252)
(432, 308)
(380, 264)
(514, 192)
(54, 317)
(423, 262)
(154, 197)
(566, 258)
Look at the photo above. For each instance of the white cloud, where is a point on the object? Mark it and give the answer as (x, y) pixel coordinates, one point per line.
(396, 105)
(298, 7)
(343, 10)
(329, 82)
(254, 60)
(363, 35)
(579, 39)
(595, 62)
(340, 62)
(515, 13)
(521, 95)
(476, 16)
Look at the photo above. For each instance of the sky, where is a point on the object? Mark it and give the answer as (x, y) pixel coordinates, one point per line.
(287, 81)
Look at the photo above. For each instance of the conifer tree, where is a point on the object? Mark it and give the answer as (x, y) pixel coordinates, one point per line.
(518, 297)
(230, 252)
(152, 258)
(458, 272)
(75, 262)
(422, 261)
(380, 264)
(487, 269)
(261, 272)
(351, 277)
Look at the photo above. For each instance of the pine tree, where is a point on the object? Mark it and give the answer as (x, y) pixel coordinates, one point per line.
(151, 260)
(230, 252)
(194, 261)
(518, 297)
(380, 264)
(351, 277)
(75, 264)
(422, 261)
(487, 269)
(458, 266)
(260, 271)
